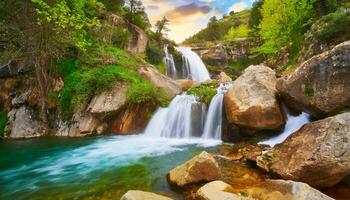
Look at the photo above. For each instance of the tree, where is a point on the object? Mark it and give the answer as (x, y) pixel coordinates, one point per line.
(241, 31)
(255, 14)
(136, 14)
(213, 29)
(161, 27)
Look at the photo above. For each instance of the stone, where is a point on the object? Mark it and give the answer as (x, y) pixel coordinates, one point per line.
(218, 190)
(22, 123)
(201, 168)
(13, 68)
(251, 101)
(223, 78)
(138, 41)
(109, 103)
(168, 86)
(286, 190)
(21, 99)
(317, 154)
(215, 55)
(82, 124)
(140, 195)
(321, 85)
(186, 84)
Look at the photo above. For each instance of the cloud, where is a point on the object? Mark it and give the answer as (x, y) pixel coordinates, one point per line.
(237, 7)
(181, 13)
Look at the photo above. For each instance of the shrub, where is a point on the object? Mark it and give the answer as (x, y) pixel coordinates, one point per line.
(3, 121)
(120, 37)
(334, 26)
(154, 54)
(203, 93)
(69, 66)
(80, 86)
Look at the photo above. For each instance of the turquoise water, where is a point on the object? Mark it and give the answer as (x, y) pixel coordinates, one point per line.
(91, 168)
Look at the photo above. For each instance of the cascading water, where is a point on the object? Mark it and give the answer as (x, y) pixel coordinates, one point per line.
(169, 61)
(179, 120)
(293, 124)
(193, 67)
(213, 123)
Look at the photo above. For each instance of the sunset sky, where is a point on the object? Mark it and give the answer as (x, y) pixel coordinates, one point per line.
(189, 16)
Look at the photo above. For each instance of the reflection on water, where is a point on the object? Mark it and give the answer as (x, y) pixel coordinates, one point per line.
(90, 168)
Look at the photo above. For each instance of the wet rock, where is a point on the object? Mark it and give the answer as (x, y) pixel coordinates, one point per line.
(215, 55)
(320, 86)
(186, 84)
(317, 154)
(251, 101)
(218, 190)
(20, 99)
(200, 168)
(82, 124)
(168, 86)
(22, 123)
(223, 78)
(140, 195)
(110, 102)
(288, 190)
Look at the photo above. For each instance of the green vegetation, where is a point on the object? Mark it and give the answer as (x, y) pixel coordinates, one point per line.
(154, 54)
(204, 93)
(333, 27)
(241, 31)
(309, 92)
(3, 121)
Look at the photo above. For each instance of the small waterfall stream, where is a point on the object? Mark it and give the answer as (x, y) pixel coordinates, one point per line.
(169, 61)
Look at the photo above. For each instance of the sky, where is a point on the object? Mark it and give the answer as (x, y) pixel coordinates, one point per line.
(190, 16)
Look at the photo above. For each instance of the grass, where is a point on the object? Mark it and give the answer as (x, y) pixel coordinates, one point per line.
(203, 93)
(3, 122)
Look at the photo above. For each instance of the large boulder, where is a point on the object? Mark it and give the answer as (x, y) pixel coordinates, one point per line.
(251, 102)
(281, 189)
(140, 195)
(110, 102)
(223, 78)
(200, 168)
(186, 84)
(321, 85)
(22, 123)
(215, 55)
(168, 86)
(218, 190)
(317, 154)
(132, 120)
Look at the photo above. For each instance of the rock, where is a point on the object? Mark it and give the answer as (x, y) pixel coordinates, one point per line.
(200, 168)
(132, 120)
(251, 101)
(215, 55)
(320, 86)
(13, 68)
(239, 49)
(82, 124)
(223, 78)
(218, 190)
(281, 189)
(138, 41)
(317, 154)
(22, 124)
(186, 84)
(21, 99)
(110, 102)
(140, 195)
(166, 84)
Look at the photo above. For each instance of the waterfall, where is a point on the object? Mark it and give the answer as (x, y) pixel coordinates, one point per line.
(180, 120)
(293, 124)
(169, 61)
(213, 124)
(193, 67)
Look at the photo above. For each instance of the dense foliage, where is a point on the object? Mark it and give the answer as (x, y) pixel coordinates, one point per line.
(3, 121)
(204, 93)
(334, 26)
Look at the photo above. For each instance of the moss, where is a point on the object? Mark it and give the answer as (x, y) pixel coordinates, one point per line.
(309, 92)
(3, 122)
(161, 68)
(203, 93)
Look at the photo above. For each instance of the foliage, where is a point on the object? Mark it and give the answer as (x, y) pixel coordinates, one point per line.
(3, 121)
(69, 66)
(255, 14)
(284, 22)
(203, 93)
(334, 26)
(161, 27)
(140, 92)
(80, 86)
(241, 31)
(136, 14)
(154, 54)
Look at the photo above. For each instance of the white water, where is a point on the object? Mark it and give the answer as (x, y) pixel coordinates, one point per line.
(169, 61)
(293, 124)
(193, 67)
(213, 124)
(178, 120)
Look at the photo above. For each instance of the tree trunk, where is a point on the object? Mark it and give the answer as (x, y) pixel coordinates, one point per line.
(43, 90)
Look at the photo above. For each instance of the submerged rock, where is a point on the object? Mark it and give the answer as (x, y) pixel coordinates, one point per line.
(218, 190)
(23, 124)
(168, 86)
(317, 154)
(140, 195)
(320, 86)
(200, 168)
(251, 101)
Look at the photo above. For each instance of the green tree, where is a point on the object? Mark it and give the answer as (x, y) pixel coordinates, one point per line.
(213, 29)
(161, 28)
(241, 31)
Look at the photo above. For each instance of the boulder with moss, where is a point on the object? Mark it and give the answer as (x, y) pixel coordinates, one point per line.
(141, 195)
